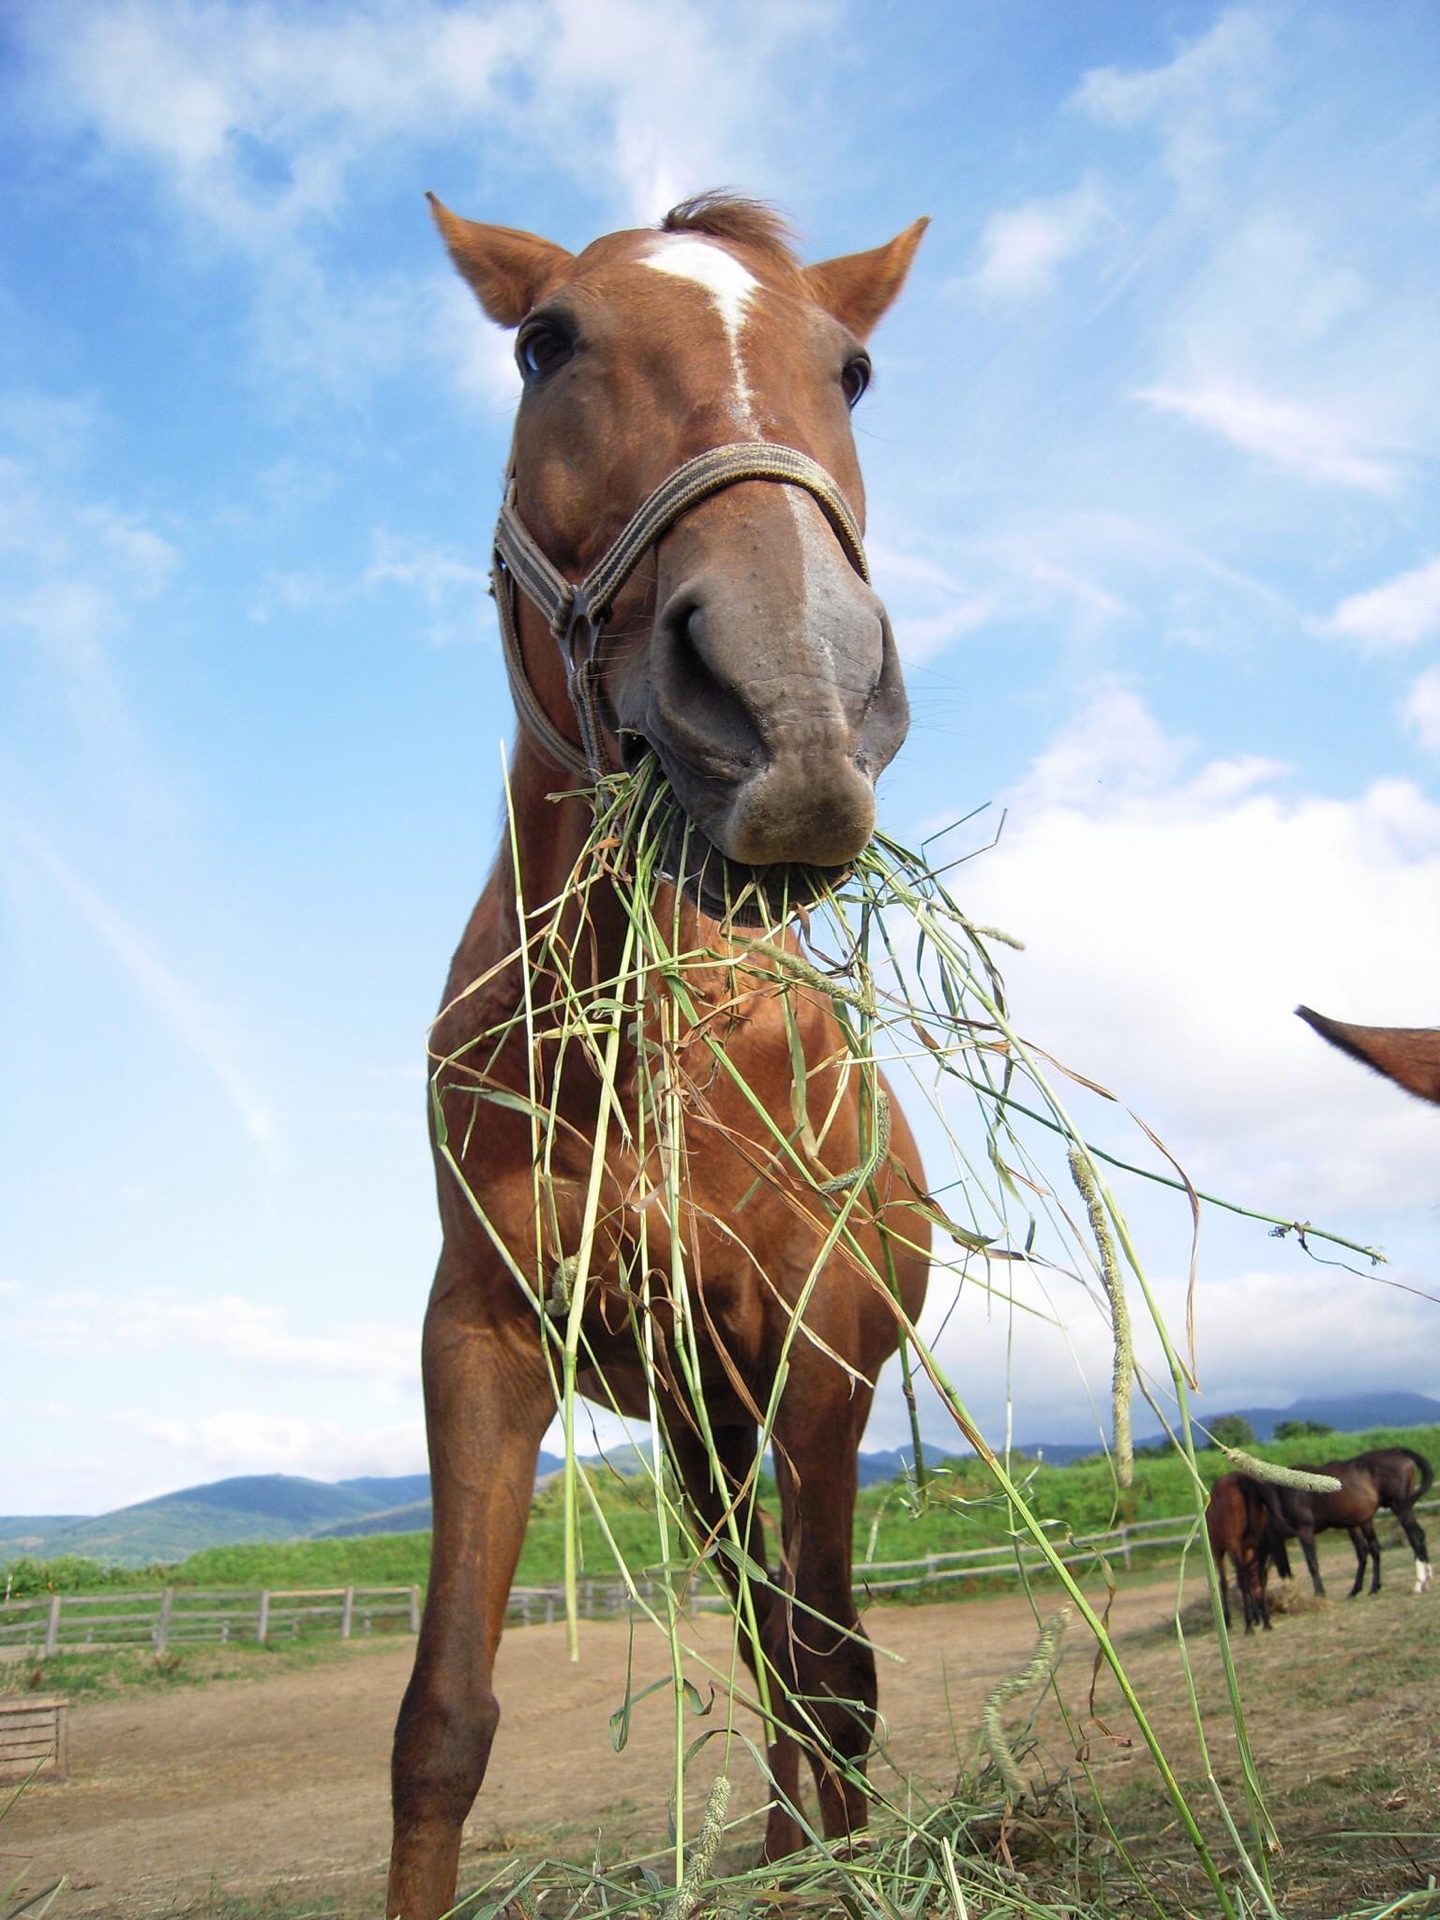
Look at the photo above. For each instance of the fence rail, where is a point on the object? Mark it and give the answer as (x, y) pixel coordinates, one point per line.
(166, 1617)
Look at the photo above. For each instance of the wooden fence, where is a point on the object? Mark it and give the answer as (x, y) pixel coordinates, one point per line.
(32, 1737)
(160, 1619)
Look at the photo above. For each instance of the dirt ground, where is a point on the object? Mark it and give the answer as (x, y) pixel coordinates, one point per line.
(269, 1795)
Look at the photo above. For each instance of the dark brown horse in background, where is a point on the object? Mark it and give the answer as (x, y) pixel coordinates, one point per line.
(1410, 1056)
(687, 398)
(1245, 1525)
(1392, 1477)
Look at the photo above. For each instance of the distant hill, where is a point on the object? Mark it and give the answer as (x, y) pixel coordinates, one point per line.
(397, 1491)
(280, 1506)
(414, 1517)
(265, 1506)
(1347, 1413)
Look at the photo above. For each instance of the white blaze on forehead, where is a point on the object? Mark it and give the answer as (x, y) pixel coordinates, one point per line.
(729, 285)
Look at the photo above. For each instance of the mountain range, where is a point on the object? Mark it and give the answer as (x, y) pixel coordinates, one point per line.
(276, 1506)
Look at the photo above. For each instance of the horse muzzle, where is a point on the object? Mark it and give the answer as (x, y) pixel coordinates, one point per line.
(771, 711)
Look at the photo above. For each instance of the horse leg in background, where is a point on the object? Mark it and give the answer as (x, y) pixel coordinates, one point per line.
(1225, 1589)
(1306, 1537)
(1415, 1534)
(1372, 1547)
(826, 1662)
(488, 1401)
(1362, 1554)
(1260, 1598)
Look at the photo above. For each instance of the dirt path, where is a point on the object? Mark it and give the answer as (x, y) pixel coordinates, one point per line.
(278, 1787)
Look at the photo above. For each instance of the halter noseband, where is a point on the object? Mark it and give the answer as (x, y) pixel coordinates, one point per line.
(576, 611)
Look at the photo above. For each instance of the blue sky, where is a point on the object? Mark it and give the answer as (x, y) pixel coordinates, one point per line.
(1152, 464)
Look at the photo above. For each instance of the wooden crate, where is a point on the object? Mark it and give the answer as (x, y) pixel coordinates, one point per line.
(32, 1736)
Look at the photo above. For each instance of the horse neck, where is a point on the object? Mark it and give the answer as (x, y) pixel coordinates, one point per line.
(549, 835)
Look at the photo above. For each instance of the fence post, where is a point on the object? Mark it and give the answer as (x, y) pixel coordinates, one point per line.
(1125, 1544)
(52, 1626)
(162, 1625)
(262, 1619)
(415, 1609)
(347, 1613)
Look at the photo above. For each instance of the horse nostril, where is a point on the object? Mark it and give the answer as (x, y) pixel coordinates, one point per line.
(693, 700)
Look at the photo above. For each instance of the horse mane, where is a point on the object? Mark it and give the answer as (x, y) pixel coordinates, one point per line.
(723, 215)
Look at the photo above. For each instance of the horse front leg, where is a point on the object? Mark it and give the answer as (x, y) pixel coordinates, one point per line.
(827, 1662)
(488, 1400)
(1256, 1605)
(1306, 1537)
(1362, 1555)
(1372, 1542)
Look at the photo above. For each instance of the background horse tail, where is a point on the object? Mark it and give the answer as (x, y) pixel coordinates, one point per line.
(1424, 1468)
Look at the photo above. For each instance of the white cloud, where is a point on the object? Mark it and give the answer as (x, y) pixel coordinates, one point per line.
(1401, 613)
(1422, 710)
(237, 1440)
(1264, 1337)
(248, 1332)
(1303, 440)
(1191, 100)
(451, 587)
(1023, 248)
(1173, 920)
(258, 119)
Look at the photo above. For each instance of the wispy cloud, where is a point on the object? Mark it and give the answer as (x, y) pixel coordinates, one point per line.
(450, 587)
(1401, 613)
(257, 120)
(1190, 100)
(241, 1440)
(1422, 710)
(73, 571)
(186, 1014)
(1302, 440)
(249, 1332)
(1023, 248)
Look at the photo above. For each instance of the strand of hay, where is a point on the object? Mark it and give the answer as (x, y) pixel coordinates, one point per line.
(1039, 1667)
(1123, 1375)
(697, 1870)
(1282, 1476)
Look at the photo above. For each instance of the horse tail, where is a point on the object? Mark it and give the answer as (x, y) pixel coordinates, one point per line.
(1426, 1471)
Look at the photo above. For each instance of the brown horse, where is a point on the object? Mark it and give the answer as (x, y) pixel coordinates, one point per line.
(1392, 1477)
(1244, 1523)
(1410, 1056)
(683, 518)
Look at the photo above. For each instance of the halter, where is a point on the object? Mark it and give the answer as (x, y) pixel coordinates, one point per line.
(576, 611)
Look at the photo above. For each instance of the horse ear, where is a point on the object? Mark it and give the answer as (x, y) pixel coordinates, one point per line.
(858, 287)
(508, 270)
(1410, 1056)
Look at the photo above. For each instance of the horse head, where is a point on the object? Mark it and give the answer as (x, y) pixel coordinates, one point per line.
(671, 378)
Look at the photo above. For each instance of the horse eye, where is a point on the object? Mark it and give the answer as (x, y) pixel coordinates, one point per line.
(855, 379)
(541, 351)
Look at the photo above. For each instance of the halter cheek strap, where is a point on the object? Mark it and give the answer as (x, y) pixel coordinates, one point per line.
(576, 611)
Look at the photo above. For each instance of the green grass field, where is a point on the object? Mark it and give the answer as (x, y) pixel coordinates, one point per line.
(960, 1509)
